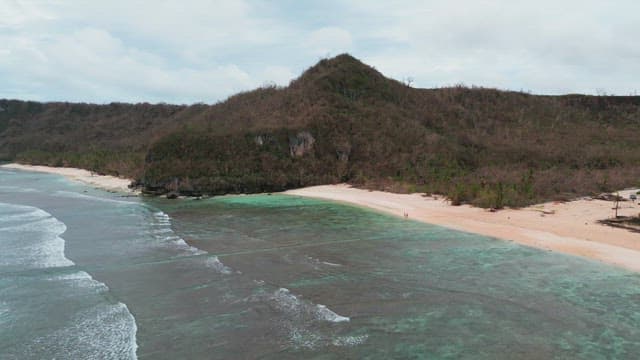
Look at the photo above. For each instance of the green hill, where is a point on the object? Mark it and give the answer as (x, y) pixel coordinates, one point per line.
(342, 121)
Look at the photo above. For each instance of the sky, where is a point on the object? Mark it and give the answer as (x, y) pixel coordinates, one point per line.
(189, 51)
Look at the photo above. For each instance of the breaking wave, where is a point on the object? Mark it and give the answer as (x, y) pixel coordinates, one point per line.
(31, 243)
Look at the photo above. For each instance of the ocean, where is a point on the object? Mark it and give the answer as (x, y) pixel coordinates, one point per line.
(87, 274)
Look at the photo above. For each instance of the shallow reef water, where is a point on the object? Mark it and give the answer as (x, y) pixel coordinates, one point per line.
(276, 276)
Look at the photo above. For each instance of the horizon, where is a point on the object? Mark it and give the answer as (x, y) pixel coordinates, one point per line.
(126, 52)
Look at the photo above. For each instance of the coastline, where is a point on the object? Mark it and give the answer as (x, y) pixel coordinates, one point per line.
(104, 182)
(570, 228)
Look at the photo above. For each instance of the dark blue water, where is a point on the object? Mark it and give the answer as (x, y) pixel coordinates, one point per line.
(89, 274)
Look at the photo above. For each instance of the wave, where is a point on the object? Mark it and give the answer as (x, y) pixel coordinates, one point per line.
(162, 218)
(349, 340)
(105, 331)
(215, 263)
(30, 239)
(181, 245)
(304, 338)
(4, 311)
(80, 279)
(167, 237)
(317, 263)
(303, 323)
(25, 215)
(75, 195)
(302, 320)
(17, 189)
(284, 300)
(326, 314)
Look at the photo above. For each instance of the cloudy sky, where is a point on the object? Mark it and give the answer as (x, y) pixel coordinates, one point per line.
(186, 51)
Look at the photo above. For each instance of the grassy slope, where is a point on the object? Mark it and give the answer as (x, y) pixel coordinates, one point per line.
(483, 146)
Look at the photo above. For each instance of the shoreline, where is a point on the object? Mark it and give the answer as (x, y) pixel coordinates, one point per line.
(104, 182)
(569, 228)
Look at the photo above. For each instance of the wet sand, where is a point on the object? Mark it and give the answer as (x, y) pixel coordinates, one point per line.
(106, 182)
(569, 228)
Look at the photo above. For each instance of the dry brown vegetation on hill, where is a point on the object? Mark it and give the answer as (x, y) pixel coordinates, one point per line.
(342, 121)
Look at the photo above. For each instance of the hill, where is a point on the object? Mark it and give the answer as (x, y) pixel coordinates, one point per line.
(343, 121)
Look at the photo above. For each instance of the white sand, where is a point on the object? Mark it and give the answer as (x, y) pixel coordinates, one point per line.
(569, 228)
(106, 182)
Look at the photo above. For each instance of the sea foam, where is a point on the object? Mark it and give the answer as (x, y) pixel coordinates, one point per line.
(4, 312)
(302, 321)
(214, 263)
(167, 238)
(105, 331)
(80, 279)
(75, 195)
(287, 302)
(30, 240)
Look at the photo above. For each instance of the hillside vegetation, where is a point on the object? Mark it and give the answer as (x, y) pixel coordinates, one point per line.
(342, 121)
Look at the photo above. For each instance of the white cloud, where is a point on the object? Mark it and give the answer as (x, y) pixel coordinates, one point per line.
(279, 75)
(92, 65)
(546, 46)
(200, 50)
(329, 41)
(16, 13)
(127, 51)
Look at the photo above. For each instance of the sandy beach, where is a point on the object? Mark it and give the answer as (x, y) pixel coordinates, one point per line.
(106, 182)
(569, 228)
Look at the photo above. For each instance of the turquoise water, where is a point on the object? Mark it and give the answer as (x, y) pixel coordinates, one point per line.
(88, 274)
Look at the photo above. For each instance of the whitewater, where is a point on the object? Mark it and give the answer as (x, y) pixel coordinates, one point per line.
(132, 277)
(36, 275)
(94, 275)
